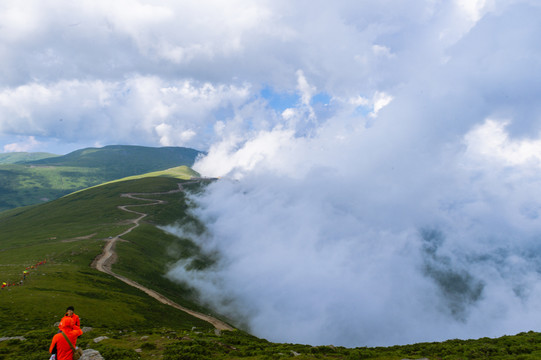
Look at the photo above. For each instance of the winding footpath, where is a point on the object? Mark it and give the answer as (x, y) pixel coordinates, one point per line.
(107, 258)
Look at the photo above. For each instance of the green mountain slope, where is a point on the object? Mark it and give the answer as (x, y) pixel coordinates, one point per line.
(125, 159)
(68, 233)
(37, 181)
(18, 157)
(59, 240)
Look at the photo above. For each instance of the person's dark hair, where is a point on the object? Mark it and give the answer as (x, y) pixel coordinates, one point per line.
(70, 308)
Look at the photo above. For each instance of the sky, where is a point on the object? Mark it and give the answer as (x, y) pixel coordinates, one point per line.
(379, 162)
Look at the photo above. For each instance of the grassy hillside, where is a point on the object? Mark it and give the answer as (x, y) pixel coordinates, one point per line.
(36, 181)
(179, 172)
(68, 233)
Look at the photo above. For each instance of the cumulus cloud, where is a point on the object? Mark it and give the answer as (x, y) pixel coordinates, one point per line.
(492, 143)
(343, 49)
(358, 252)
(24, 145)
(145, 110)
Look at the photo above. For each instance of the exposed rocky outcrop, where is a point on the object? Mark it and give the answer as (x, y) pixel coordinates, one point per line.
(91, 354)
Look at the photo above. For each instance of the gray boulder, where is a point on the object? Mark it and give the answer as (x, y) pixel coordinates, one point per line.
(100, 338)
(91, 354)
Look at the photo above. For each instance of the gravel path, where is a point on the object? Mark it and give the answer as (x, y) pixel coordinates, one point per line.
(107, 258)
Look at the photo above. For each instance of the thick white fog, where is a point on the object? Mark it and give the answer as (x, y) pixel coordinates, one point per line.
(410, 215)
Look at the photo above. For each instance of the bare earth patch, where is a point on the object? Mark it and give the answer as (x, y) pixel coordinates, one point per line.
(86, 237)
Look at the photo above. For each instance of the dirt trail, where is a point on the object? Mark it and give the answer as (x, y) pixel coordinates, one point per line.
(107, 258)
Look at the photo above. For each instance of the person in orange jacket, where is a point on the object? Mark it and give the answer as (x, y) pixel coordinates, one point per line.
(71, 315)
(60, 345)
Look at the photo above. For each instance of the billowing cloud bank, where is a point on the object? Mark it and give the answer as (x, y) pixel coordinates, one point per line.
(406, 213)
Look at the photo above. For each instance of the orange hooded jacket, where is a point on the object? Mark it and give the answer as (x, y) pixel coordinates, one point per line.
(74, 317)
(63, 349)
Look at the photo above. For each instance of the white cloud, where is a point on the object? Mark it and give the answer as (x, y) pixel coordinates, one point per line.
(474, 8)
(380, 100)
(234, 157)
(380, 50)
(19, 22)
(26, 145)
(419, 225)
(490, 142)
(137, 108)
(306, 90)
(346, 225)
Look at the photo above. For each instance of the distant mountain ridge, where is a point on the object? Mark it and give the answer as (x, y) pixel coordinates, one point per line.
(21, 157)
(45, 177)
(128, 157)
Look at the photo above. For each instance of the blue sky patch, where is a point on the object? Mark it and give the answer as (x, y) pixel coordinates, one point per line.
(279, 101)
(321, 98)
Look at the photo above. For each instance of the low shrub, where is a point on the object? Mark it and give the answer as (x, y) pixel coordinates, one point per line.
(116, 353)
